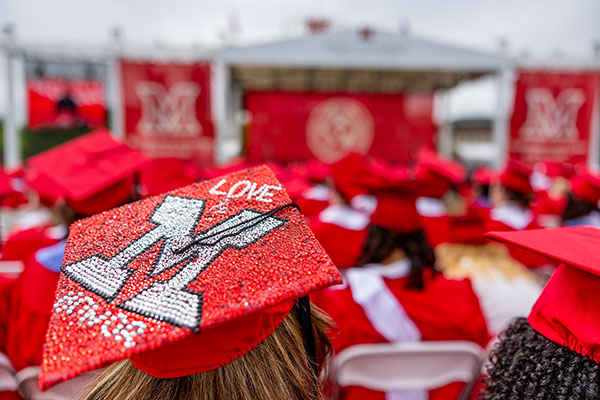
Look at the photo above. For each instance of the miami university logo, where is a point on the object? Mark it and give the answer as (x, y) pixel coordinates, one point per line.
(550, 119)
(168, 112)
(337, 127)
(175, 220)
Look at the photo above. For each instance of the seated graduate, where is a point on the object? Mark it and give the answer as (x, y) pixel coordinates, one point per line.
(391, 292)
(511, 197)
(583, 200)
(555, 352)
(201, 293)
(506, 288)
(83, 176)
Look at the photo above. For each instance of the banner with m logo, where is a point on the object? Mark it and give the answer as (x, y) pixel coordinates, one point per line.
(167, 109)
(553, 116)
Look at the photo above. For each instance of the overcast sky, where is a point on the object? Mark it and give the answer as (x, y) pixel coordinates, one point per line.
(543, 28)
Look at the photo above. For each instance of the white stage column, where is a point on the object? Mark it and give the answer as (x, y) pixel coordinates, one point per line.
(445, 140)
(505, 84)
(224, 146)
(115, 99)
(12, 142)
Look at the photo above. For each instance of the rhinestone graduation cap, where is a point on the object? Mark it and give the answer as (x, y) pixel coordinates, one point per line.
(183, 265)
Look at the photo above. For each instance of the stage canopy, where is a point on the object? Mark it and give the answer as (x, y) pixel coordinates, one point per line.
(358, 60)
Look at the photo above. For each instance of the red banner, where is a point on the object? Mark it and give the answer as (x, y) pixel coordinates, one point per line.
(66, 103)
(552, 116)
(288, 126)
(167, 109)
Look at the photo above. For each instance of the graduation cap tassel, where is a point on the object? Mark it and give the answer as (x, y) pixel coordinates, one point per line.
(305, 319)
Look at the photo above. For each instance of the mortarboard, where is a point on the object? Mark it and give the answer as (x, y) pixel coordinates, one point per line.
(342, 231)
(93, 172)
(391, 209)
(567, 311)
(555, 169)
(436, 173)
(484, 176)
(386, 194)
(586, 186)
(470, 227)
(516, 176)
(5, 183)
(183, 282)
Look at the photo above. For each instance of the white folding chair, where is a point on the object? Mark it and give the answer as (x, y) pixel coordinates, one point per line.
(72, 389)
(409, 365)
(7, 375)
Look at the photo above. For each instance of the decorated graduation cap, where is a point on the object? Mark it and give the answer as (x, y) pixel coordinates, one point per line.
(92, 173)
(567, 311)
(183, 282)
(516, 176)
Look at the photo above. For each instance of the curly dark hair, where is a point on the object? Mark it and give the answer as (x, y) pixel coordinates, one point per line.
(526, 365)
(381, 242)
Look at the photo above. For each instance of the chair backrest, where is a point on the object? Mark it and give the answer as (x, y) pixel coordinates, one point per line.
(408, 365)
(7, 375)
(72, 389)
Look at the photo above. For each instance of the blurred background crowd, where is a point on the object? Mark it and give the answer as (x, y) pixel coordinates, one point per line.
(404, 131)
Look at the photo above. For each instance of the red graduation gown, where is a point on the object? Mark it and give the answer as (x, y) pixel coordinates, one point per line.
(444, 310)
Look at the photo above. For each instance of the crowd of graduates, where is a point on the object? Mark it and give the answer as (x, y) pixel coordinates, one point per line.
(409, 240)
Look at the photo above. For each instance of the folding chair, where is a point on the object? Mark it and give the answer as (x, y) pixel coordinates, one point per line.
(8, 382)
(72, 389)
(409, 365)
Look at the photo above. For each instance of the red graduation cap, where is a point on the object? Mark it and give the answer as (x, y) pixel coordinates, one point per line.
(342, 231)
(586, 186)
(183, 282)
(437, 174)
(567, 311)
(484, 176)
(350, 174)
(469, 228)
(516, 176)
(394, 210)
(390, 192)
(554, 169)
(5, 183)
(92, 172)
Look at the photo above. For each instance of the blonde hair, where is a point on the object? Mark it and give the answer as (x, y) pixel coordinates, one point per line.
(458, 261)
(278, 368)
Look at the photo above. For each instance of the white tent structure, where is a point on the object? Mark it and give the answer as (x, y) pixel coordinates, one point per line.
(352, 61)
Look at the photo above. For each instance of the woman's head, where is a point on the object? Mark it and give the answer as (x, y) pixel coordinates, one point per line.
(555, 353)
(187, 282)
(526, 365)
(576, 208)
(500, 194)
(279, 367)
(384, 246)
